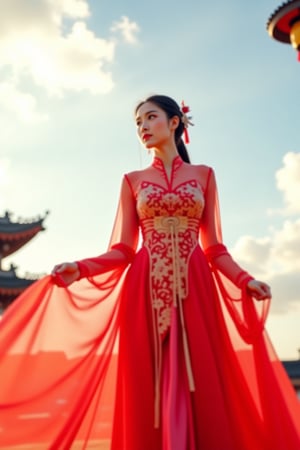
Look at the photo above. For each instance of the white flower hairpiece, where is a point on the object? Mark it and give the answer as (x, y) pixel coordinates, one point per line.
(186, 120)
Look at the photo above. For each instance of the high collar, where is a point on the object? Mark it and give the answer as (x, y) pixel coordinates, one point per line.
(159, 164)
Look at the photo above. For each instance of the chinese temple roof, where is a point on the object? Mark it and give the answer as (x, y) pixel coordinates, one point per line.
(280, 22)
(292, 368)
(9, 281)
(11, 286)
(15, 234)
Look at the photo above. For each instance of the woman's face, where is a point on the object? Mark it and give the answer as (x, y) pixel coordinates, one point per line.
(153, 126)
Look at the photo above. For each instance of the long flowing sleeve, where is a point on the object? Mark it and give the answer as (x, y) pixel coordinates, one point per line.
(244, 319)
(211, 237)
(123, 241)
(248, 315)
(58, 349)
(122, 246)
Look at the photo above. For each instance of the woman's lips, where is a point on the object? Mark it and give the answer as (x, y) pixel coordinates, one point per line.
(146, 137)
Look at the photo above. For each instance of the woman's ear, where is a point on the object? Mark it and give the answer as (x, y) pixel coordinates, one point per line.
(174, 122)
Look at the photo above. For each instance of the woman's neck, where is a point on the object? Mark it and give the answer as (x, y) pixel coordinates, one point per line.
(166, 155)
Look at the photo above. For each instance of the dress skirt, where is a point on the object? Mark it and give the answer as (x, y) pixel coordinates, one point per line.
(226, 410)
(78, 369)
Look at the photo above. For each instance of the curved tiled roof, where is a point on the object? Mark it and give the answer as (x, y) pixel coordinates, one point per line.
(292, 368)
(279, 23)
(11, 286)
(15, 234)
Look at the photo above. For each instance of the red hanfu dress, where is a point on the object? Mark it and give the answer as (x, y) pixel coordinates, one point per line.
(157, 348)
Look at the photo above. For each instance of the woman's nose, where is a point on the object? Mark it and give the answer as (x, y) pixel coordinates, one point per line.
(144, 126)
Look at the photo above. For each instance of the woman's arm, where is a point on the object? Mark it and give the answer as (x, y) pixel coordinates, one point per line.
(121, 250)
(216, 252)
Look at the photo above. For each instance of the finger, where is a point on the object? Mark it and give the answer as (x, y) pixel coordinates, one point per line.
(263, 290)
(265, 295)
(59, 281)
(60, 268)
(267, 291)
(258, 293)
(65, 267)
(256, 290)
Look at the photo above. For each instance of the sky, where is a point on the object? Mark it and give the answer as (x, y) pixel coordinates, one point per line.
(71, 73)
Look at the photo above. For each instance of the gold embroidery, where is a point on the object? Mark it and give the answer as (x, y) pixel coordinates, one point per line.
(170, 221)
(170, 225)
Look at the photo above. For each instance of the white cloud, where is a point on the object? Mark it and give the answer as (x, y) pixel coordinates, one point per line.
(72, 8)
(286, 291)
(286, 247)
(276, 257)
(127, 28)
(276, 260)
(22, 104)
(253, 252)
(39, 49)
(288, 182)
(55, 61)
(72, 63)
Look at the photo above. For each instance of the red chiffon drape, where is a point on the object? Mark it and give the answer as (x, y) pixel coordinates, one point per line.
(77, 363)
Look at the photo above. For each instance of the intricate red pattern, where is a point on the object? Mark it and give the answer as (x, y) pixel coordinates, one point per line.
(170, 221)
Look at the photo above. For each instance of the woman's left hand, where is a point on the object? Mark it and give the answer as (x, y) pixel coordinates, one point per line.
(65, 274)
(259, 289)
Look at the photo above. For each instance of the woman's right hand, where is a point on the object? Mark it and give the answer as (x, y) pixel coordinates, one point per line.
(65, 274)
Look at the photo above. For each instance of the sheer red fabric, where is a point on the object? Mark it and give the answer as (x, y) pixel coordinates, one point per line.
(158, 346)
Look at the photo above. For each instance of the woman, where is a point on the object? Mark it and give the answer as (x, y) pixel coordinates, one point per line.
(195, 367)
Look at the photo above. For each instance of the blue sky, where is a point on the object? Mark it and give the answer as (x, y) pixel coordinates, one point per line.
(71, 73)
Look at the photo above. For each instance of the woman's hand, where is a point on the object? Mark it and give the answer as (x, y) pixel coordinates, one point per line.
(259, 289)
(65, 274)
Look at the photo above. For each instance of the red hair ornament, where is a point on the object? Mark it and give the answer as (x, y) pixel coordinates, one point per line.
(186, 120)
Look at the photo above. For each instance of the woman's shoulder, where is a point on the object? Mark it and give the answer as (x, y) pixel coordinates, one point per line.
(202, 169)
(203, 173)
(136, 176)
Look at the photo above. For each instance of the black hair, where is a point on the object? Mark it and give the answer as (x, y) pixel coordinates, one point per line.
(171, 108)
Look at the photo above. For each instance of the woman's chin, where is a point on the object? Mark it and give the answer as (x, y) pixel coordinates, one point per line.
(148, 146)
